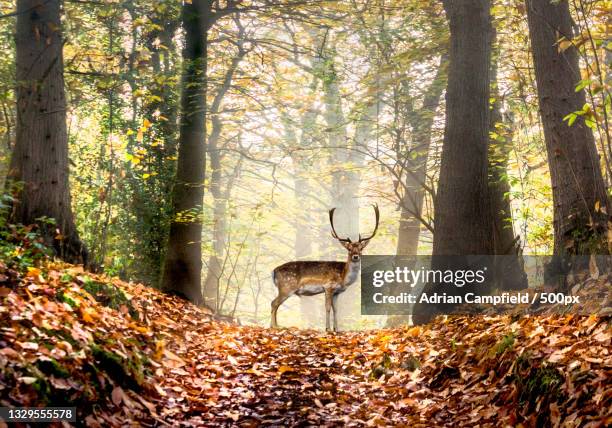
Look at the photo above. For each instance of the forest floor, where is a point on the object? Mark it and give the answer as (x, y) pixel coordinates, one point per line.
(126, 354)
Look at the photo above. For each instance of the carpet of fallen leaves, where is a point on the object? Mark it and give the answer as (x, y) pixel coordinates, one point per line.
(126, 354)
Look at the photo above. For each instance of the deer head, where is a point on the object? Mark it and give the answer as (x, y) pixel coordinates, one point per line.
(354, 248)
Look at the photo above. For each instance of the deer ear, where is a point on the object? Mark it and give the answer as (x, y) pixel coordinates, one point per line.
(364, 244)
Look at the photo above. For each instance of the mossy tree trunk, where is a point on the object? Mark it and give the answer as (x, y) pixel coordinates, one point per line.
(182, 271)
(39, 166)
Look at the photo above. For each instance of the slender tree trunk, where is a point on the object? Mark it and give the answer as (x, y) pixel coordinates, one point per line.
(183, 261)
(215, 261)
(462, 213)
(342, 191)
(40, 159)
(154, 218)
(509, 270)
(219, 188)
(414, 193)
(579, 193)
(343, 180)
(346, 160)
(411, 204)
(311, 308)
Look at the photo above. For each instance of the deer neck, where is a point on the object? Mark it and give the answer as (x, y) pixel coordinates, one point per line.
(351, 271)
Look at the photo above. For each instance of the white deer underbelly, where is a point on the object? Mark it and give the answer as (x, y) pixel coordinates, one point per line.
(310, 290)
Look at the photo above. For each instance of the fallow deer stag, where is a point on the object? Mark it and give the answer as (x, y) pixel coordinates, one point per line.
(307, 278)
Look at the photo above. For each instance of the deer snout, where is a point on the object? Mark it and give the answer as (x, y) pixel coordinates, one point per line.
(355, 257)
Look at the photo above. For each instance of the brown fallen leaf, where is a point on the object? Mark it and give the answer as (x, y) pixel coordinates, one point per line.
(117, 395)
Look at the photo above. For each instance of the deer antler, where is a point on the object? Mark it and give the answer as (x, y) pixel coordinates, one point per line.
(375, 228)
(334, 234)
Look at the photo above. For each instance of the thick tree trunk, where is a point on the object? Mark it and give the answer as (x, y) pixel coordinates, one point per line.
(183, 261)
(579, 194)
(40, 158)
(462, 213)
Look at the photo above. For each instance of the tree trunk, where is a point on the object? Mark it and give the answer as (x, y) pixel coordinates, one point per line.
(215, 261)
(462, 216)
(220, 189)
(40, 157)
(509, 270)
(411, 204)
(343, 180)
(311, 308)
(579, 194)
(154, 218)
(183, 261)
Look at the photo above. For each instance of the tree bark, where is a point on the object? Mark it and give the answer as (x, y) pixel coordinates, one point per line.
(462, 216)
(182, 270)
(579, 193)
(40, 158)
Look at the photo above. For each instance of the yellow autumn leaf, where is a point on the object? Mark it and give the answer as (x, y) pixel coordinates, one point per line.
(414, 331)
(564, 45)
(89, 315)
(33, 272)
(160, 346)
(285, 369)
(139, 328)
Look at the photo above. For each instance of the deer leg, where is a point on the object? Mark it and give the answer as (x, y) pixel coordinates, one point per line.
(275, 304)
(328, 306)
(334, 308)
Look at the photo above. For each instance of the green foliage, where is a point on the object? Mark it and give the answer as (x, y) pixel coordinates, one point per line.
(108, 295)
(51, 367)
(537, 382)
(127, 372)
(586, 113)
(21, 246)
(506, 343)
